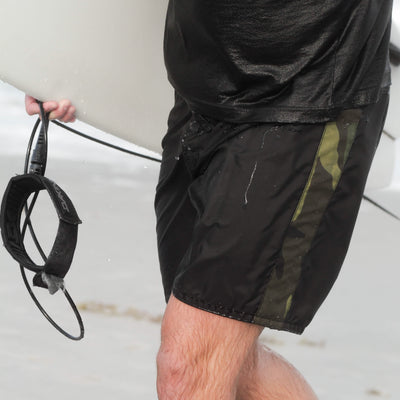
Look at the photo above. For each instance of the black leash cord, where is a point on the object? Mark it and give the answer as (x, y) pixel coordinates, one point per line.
(41, 169)
(47, 316)
(373, 202)
(134, 153)
(35, 162)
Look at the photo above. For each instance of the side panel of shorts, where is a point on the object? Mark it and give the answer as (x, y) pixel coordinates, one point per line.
(254, 221)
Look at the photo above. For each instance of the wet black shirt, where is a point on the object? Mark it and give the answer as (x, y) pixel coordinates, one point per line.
(280, 61)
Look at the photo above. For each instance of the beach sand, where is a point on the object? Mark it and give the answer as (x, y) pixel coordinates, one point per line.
(351, 351)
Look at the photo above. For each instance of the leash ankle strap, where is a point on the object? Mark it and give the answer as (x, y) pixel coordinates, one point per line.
(51, 274)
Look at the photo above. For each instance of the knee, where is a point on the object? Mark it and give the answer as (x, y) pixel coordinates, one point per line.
(200, 353)
(183, 353)
(177, 372)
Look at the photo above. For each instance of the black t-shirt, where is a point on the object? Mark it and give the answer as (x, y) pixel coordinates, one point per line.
(277, 61)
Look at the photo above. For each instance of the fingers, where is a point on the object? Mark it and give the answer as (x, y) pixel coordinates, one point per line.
(63, 110)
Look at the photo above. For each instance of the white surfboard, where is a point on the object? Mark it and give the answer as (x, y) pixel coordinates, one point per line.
(104, 55)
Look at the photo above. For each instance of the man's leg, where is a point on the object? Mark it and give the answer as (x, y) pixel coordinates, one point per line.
(205, 356)
(267, 375)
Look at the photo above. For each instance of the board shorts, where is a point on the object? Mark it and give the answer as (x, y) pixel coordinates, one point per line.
(254, 220)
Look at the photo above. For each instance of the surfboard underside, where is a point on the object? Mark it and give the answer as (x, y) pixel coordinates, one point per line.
(106, 57)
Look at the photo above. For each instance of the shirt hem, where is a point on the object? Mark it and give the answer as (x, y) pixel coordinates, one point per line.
(282, 114)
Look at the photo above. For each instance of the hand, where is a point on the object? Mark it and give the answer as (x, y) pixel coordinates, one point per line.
(62, 110)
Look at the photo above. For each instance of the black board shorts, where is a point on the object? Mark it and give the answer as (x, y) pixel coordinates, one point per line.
(254, 220)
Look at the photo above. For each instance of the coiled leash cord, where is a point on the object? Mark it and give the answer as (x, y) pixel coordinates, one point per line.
(57, 263)
(15, 201)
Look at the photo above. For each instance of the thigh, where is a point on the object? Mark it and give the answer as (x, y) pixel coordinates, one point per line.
(254, 221)
(174, 211)
(226, 196)
(244, 194)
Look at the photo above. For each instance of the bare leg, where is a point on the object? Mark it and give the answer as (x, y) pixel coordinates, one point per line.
(201, 354)
(267, 375)
(205, 356)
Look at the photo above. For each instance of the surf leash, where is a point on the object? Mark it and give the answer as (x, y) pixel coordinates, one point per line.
(20, 196)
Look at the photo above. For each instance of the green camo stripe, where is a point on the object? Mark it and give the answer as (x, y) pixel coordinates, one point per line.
(331, 156)
(328, 153)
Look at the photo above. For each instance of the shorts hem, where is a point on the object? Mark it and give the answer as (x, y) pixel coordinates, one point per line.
(279, 325)
(238, 315)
